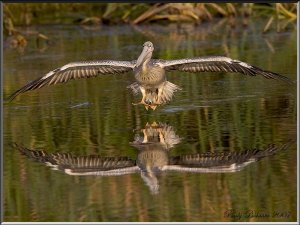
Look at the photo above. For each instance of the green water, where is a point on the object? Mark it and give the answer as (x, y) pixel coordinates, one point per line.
(213, 112)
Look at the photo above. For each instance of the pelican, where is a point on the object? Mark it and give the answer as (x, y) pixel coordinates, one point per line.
(150, 74)
(152, 159)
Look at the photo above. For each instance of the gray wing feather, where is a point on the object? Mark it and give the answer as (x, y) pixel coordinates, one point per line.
(77, 70)
(211, 162)
(218, 64)
(82, 165)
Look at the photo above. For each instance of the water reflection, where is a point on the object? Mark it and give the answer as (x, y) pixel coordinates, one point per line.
(154, 143)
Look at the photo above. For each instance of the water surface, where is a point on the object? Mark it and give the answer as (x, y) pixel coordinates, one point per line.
(213, 113)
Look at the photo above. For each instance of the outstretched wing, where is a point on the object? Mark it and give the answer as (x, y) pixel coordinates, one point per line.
(218, 64)
(77, 70)
(222, 162)
(82, 165)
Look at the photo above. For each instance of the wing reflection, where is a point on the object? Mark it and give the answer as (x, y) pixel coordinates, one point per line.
(82, 165)
(153, 158)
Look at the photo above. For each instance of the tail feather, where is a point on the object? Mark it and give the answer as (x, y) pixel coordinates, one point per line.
(168, 90)
(151, 97)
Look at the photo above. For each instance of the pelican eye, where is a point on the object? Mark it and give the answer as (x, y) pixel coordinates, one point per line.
(149, 45)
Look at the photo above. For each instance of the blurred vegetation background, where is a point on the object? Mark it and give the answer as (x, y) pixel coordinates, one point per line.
(279, 16)
(109, 13)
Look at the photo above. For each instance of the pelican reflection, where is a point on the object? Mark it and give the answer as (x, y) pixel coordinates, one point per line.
(154, 143)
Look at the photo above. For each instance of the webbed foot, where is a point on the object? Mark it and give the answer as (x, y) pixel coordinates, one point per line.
(142, 103)
(153, 107)
(147, 105)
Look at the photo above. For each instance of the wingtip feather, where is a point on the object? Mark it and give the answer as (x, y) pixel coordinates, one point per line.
(272, 75)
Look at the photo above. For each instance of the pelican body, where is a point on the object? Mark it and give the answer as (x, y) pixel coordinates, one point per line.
(150, 74)
(151, 80)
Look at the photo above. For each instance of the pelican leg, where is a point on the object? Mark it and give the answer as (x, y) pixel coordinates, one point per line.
(156, 100)
(159, 94)
(143, 91)
(142, 102)
(145, 136)
(161, 137)
(154, 124)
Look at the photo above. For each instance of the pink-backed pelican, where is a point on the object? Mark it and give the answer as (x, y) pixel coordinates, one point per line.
(150, 74)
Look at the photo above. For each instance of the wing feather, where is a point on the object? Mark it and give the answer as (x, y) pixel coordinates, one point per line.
(82, 165)
(77, 70)
(212, 162)
(218, 64)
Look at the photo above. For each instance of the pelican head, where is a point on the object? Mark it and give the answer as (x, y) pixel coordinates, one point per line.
(146, 54)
